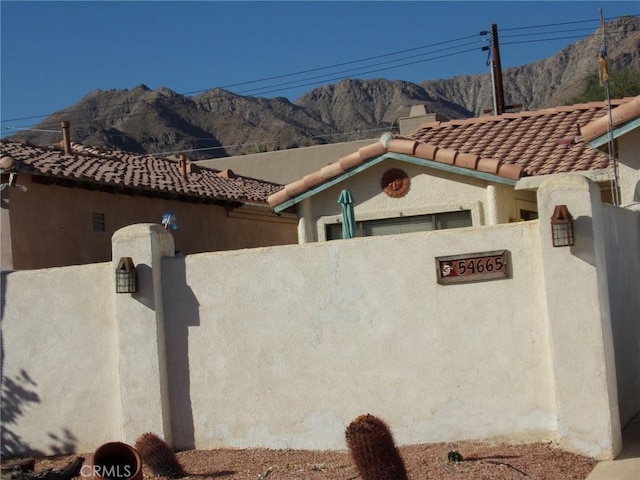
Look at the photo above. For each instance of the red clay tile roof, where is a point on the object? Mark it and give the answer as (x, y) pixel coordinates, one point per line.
(512, 145)
(141, 173)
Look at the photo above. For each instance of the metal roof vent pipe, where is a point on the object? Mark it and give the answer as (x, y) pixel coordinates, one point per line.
(66, 138)
(182, 164)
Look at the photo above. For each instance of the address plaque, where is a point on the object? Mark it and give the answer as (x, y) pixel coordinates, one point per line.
(473, 267)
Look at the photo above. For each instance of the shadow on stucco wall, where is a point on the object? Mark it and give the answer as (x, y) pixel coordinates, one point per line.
(17, 394)
(145, 294)
(584, 247)
(181, 310)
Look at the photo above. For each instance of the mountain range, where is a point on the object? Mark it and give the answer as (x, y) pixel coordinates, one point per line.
(219, 123)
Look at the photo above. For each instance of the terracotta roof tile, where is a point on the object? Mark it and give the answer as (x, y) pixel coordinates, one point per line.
(91, 165)
(623, 113)
(511, 145)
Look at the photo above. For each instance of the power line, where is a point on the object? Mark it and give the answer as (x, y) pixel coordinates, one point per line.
(554, 24)
(275, 77)
(321, 79)
(265, 142)
(33, 129)
(550, 32)
(334, 65)
(326, 67)
(358, 71)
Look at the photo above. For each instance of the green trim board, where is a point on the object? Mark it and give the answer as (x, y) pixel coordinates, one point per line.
(393, 156)
(617, 132)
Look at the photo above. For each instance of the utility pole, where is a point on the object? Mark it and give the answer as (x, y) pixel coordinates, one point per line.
(496, 72)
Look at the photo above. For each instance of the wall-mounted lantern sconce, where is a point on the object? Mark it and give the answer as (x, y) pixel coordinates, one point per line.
(126, 276)
(562, 227)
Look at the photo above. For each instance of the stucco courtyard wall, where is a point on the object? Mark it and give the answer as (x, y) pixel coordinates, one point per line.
(283, 346)
(60, 385)
(321, 333)
(621, 232)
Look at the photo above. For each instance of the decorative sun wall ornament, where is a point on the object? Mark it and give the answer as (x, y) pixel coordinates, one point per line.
(169, 220)
(395, 183)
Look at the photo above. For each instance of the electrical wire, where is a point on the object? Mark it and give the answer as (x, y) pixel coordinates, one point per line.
(33, 129)
(321, 79)
(334, 65)
(326, 67)
(262, 91)
(590, 30)
(318, 80)
(220, 147)
(356, 72)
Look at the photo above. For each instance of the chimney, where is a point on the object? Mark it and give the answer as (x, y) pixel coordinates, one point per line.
(417, 116)
(182, 165)
(66, 138)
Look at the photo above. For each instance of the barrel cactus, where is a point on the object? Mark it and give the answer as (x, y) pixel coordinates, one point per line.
(373, 450)
(158, 456)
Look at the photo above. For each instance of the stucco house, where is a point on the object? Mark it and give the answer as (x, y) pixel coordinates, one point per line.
(470, 172)
(62, 204)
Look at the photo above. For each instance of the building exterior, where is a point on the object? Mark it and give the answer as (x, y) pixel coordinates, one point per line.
(282, 346)
(61, 207)
(472, 172)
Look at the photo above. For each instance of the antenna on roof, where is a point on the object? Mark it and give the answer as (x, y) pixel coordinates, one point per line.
(603, 72)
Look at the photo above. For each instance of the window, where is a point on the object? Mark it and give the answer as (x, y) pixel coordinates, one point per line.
(607, 192)
(527, 215)
(416, 223)
(97, 219)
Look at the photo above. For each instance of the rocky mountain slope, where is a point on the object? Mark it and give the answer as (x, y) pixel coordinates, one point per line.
(550, 82)
(218, 123)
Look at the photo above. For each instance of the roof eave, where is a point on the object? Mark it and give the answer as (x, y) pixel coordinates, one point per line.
(111, 187)
(617, 132)
(393, 156)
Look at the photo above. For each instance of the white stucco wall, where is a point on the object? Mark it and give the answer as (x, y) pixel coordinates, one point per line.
(283, 346)
(629, 166)
(622, 237)
(321, 333)
(60, 389)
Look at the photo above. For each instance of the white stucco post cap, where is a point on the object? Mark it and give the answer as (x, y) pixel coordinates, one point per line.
(565, 181)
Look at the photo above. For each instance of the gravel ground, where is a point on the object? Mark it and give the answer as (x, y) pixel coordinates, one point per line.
(481, 461)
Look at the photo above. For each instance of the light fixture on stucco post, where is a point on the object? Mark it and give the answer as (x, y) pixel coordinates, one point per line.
(126, 276)
(562, 227)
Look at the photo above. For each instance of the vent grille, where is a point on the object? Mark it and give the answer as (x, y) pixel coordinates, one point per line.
(97, 220)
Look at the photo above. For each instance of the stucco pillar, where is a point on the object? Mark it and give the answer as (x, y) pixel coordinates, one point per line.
(492, 205)
(580, 332)
(305, 222)
(141, 333)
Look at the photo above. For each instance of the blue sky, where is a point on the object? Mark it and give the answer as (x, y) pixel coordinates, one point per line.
(55, 53)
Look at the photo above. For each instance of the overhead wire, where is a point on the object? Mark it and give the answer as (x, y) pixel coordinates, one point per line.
(266, 142)
(325, 78)
(326, 67)
(296, 84)
(322, 79)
